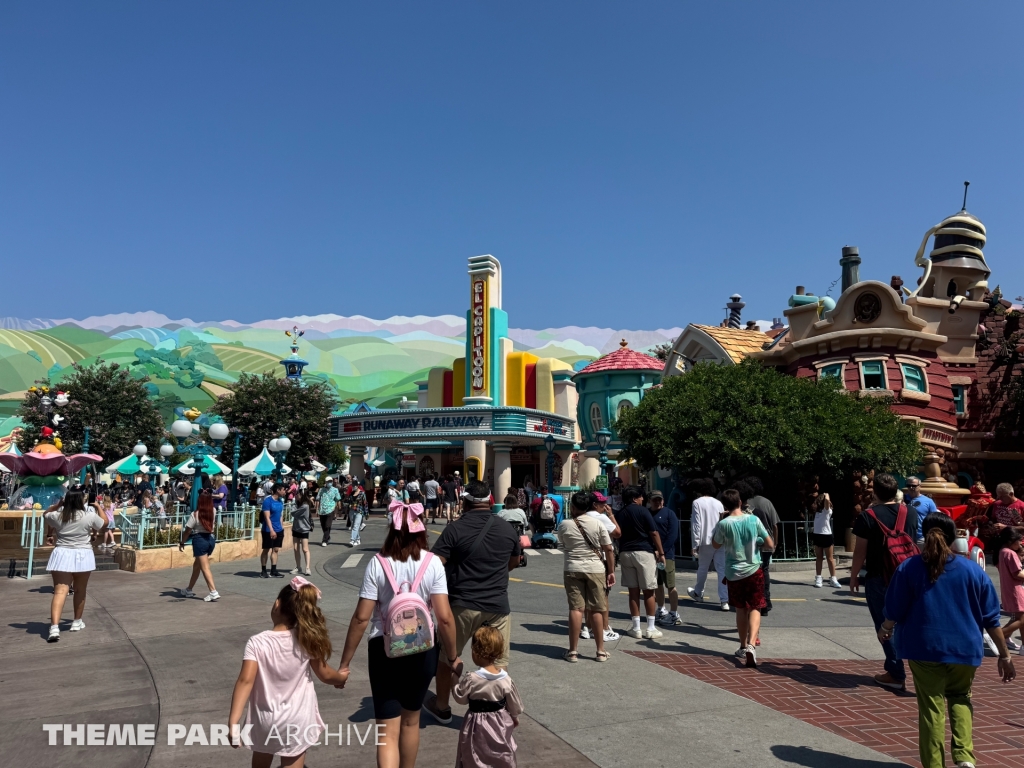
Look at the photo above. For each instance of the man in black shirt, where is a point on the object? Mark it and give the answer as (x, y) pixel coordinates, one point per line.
(870, 552)
(478, 550)
(640, 552)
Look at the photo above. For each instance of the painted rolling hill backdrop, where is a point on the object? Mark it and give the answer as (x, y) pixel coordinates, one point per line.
(364, 359)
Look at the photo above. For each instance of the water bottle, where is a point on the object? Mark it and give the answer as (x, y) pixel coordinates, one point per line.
(661, 566)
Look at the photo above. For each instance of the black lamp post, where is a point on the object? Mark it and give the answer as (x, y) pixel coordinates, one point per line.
(549, 444)
(604, 437)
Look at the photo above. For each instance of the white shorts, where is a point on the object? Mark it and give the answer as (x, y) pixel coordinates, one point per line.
(639, 570)
(68, 560)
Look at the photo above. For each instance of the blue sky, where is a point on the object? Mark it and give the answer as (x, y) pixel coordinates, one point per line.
(631, 165)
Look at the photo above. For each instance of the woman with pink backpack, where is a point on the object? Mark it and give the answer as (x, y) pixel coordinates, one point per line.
(404, 591)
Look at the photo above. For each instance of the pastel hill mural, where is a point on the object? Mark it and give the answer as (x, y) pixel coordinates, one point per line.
(189, 363)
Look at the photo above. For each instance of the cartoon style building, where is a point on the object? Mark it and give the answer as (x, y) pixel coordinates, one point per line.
(488, 415)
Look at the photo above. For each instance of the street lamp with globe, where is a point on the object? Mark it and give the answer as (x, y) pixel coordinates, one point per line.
(279, 448)
(604, 438)
(182, 430)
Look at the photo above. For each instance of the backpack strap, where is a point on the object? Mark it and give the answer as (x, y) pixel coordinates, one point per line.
(421, 571)
(901, 519)
(903, 512)
(388, 573)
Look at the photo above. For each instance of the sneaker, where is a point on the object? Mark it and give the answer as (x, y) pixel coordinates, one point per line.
(294, 571)
(264, 574)
(362, 527)
(585, 633)
(661, 613)
(307, 573)
(276, 574)
(635, 632)
(77, 625)
(186, 592)
(443, 716)
(669, 619)
(696, 596)
(751, 655)
(964, 764)
(323, 543)
(215, 595)
(54, 635)
(817, 582)
(1012, 645)
(610, 635)
(888, 681)
(834, 582)
(653, 633)
(741, 652)
(725, 606)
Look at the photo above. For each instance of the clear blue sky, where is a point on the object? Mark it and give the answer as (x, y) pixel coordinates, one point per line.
(630, 164)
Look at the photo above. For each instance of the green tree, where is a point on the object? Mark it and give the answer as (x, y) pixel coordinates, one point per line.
(104, 397)
(263, 407)
(746, 418)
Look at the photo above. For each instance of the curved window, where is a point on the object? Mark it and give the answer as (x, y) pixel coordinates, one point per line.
(624, 406)
(831, 371)
(914, 379)
(873, 374)
(596, 419)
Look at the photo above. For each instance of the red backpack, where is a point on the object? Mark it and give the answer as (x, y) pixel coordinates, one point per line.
(898, 545)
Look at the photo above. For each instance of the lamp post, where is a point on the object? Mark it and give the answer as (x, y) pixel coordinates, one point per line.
(549, 444)
(181, 429)
(140, 452)
(279, 448)
(234, 470)
(604, 437)
(85, 449)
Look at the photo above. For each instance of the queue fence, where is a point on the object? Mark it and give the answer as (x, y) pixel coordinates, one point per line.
(795, 542)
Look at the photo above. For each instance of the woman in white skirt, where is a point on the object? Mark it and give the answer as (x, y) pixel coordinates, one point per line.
(71, 523)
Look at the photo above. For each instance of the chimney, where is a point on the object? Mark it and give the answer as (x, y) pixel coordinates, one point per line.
(799, 290)
(897, 284)
(735, 307)
(850, 262)
(752, 325)
(777, 323)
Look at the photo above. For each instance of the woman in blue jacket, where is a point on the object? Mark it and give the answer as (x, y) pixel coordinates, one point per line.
(939, 604)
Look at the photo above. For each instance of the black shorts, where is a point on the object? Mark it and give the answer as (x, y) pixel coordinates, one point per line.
(269, 543)
(823, 540)
(430, 503)
(299, 535)
(398, 684)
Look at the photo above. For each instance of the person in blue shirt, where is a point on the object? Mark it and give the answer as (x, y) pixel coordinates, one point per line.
(272, 531)
(667, 523)
(936, 607)
(923, 504)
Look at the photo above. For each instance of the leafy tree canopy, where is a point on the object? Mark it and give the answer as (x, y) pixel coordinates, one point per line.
(107, 399)
(747, 418)
(263, 407)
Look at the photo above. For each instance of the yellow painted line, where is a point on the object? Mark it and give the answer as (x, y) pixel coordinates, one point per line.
(545, 584)
(789, 599)
(837, 599)
(433, 531)
(513, 578)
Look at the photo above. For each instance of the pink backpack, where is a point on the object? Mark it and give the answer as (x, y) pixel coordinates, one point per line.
(408, 625)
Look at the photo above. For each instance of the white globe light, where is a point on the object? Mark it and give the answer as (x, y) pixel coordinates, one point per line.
(139, 450)
(284, 444)
(272, 446)
(218, 431)
(181, 428)
(166, 450)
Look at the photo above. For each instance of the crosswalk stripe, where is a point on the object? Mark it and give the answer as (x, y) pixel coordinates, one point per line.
(555, 551)
(352, 561)
(532, 551)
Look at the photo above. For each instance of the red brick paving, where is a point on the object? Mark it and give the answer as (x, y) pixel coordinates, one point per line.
(841, 697)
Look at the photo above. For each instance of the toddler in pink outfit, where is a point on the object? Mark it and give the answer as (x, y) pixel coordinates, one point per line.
(1011, 582)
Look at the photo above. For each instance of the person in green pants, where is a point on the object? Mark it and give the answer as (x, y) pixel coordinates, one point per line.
(936, 607)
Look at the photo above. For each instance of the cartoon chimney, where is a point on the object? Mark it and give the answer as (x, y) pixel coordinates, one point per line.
(735, 307)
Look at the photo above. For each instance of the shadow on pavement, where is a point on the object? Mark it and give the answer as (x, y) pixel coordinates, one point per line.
(551, 629)
(815, 758)
(39, 628)
(809, 674)
(535, 649)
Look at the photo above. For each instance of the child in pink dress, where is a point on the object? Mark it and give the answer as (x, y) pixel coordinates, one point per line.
(275, 687)
(486, 739)
(1011, 581)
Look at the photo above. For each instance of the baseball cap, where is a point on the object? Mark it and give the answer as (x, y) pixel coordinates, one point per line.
(657, 495)
(600, 498)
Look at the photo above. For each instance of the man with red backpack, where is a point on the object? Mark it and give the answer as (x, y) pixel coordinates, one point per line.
(885, 538)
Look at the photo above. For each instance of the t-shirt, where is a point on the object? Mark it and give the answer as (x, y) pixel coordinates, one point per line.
(865, 527)
(603, 519)
(450, 491)
(668, 528)
(376, 587)
(74, 534)
(741, 537)
(479, 582)
(412, 485)
(1011, 589)
(275, 507)
(579, 556)
(923, 506)
(823, 522)
(430, 489)
(636, 524)
(764, 510)
(941, 621)
(222, 502)
(195, 524)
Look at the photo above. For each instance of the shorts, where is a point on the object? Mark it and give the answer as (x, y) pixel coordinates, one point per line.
(667, 578)
(300, 535)
(823, 540)
(748, 593)
(469, 620)
(639, 570)
(203, 544)
(586, 591)
(401, 683)
(269, 543)
(430, 503)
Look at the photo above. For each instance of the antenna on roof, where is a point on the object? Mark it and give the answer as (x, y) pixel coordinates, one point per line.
(966, 185)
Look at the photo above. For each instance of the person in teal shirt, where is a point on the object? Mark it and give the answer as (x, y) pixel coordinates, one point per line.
(742, 536)
(329, 498)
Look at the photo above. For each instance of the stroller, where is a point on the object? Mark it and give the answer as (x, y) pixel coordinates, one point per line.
(523, 539)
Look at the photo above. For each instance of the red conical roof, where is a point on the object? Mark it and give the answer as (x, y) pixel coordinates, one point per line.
(624, 359)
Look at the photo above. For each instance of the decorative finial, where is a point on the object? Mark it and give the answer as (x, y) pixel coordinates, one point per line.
(623, 343)
(966, 185)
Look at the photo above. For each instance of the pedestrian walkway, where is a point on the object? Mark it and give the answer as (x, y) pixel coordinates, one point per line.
(841, 697)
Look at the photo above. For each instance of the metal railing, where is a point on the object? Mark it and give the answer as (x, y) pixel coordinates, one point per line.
(33, 528)
(794, 544)
(146, 531)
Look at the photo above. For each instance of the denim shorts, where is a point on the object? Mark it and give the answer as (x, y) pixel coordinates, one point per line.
(203, 544)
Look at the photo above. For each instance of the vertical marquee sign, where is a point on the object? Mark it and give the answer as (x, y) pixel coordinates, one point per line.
(478, 363)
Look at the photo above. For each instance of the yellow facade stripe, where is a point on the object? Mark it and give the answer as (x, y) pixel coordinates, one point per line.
(458, 381)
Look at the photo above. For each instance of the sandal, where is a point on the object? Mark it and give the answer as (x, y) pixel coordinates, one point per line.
(602, 656)
(571, 656)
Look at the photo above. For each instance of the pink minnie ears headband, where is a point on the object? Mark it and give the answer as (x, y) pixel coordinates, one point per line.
(408, 512)
(298, 583)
